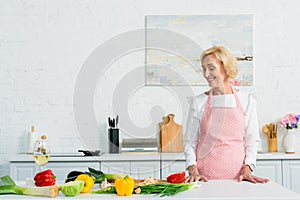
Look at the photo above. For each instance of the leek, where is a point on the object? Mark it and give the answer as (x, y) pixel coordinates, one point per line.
(7, 180)
(51, 191)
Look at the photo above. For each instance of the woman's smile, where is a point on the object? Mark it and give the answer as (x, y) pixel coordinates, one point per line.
(213, 71)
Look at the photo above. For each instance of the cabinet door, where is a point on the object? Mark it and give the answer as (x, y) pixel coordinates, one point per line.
(270, 169)
(21, 171)
(144, 169)
(291, 174)
(61, 169)
(115, 167)
(170, 167)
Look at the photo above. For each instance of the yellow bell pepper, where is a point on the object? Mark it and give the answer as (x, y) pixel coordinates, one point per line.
(88, 182)
(124, 186)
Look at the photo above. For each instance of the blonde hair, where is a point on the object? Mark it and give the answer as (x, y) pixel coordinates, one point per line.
(225, 57)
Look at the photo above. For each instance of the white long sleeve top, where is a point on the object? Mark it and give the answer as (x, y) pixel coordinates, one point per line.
(192, 134)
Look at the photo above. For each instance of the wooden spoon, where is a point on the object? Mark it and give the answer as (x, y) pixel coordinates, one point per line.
(266, 130)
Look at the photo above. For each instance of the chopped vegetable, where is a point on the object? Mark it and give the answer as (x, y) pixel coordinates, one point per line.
(124, 186)
(88, 182)
(51, 191)
(176, 178)
(7, 180)
(100, 176)
(165, 189)
(72, 188)
(45, 178)
(137, 190)
(148, 181)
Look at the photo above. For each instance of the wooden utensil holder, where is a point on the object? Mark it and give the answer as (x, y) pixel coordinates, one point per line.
(272, 143)
(270, 130)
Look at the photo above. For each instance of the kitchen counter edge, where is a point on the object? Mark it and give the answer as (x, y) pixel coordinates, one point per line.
(156, 156)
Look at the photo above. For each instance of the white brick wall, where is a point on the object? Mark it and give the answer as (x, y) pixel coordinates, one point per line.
(43, 45)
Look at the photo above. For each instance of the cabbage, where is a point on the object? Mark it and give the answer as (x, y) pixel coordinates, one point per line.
(72, 188)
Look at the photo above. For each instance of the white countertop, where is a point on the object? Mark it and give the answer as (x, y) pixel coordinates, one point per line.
(142, 156)
(277, 156)
(104, 157)
(218, 189)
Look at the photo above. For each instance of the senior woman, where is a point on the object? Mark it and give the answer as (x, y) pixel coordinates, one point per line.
(222, 130)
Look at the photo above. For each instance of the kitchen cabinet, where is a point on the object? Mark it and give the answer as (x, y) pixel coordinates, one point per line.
(137, 169)
(115, 167)
(145, 169)
(170, 167)
(19, 171)
(22, 170)
(291, 174)
(61, 169)
(270, 169)
(172, 163)
(265, 168)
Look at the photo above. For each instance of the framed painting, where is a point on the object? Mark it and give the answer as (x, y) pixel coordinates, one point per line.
(235, 32)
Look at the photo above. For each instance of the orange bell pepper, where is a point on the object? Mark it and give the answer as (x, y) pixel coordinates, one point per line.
(124, 186)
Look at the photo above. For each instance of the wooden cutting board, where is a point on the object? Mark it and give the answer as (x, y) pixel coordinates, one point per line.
(171, 138)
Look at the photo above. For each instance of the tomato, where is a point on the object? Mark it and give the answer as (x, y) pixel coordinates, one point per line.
(176, 178)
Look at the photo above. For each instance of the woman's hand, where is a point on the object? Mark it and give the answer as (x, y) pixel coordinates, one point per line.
(247, 176)
(194, 175)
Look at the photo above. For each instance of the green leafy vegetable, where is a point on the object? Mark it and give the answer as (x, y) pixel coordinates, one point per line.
(100, 176)
(72, 188)
(7, 180)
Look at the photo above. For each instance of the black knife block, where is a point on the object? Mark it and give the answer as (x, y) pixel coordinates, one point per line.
(113, 140)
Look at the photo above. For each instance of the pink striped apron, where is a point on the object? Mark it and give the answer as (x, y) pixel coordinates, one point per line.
(220, 150)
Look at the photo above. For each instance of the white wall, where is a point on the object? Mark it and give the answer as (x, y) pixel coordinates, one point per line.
(44, 44)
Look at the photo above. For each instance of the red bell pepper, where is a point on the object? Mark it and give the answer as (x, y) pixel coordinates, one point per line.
(45, 178)
(176, 178)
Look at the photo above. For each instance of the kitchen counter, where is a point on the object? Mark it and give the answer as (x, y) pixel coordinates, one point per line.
(104, 157)
(142, 156)
(218, 189)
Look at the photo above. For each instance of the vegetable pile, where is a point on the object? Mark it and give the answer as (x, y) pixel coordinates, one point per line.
(83, 182)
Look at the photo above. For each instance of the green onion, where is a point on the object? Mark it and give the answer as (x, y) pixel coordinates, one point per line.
(51, 191)
(160, 189)
(107, 190)
(165, 189)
